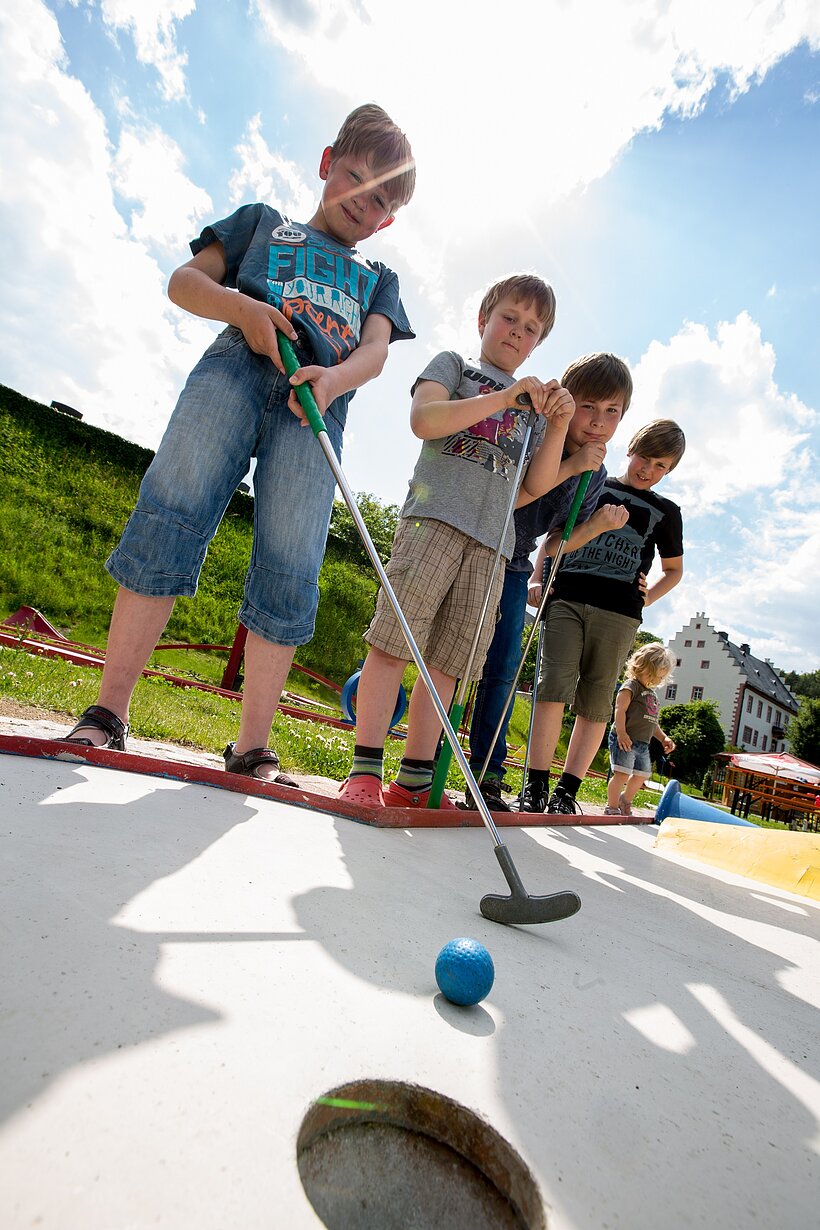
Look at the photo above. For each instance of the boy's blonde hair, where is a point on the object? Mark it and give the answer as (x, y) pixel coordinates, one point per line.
(600, 377)
(654, 664)
(523, 288)
(369, 132)
(660, 438)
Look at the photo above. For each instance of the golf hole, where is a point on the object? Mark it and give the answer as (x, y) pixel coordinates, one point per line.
(383, 1155)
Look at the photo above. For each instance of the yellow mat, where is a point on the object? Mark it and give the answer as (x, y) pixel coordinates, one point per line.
(777, 857)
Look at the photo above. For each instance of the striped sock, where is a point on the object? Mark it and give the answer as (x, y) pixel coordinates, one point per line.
(416, 775)
(367, 761)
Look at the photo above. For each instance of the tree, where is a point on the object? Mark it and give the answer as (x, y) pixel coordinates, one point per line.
(380, 519)
(697, 731)
(644, 638)
(803, 685)
(804, 732)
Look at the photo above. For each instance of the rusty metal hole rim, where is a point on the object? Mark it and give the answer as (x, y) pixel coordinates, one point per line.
(425, 1112)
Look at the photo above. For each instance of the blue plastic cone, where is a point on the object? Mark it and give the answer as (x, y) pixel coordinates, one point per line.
(674, 803)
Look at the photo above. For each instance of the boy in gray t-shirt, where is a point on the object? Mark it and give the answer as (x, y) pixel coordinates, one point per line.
(473, 428)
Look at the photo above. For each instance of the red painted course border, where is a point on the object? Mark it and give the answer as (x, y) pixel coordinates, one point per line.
(378, 817)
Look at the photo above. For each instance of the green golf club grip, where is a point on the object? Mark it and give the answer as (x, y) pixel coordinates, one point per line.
(578, 500)
(303, 391)
(444, 760)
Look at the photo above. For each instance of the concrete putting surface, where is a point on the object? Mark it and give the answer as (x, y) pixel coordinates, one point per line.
(189, 972)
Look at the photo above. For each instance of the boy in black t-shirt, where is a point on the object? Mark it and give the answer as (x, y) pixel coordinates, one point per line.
(595, 611)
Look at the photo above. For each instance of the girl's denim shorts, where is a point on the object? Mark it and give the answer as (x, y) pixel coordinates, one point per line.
(636, 760)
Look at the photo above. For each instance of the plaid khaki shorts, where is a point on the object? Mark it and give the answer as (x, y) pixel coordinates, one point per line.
(440, 577)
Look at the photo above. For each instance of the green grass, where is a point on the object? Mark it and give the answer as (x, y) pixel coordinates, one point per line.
(205, 721)
(66, 491)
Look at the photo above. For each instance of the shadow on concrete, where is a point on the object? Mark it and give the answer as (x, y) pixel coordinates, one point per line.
(74, 984)
(678, 1043)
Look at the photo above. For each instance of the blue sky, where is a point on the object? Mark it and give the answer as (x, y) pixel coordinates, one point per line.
(657, 162)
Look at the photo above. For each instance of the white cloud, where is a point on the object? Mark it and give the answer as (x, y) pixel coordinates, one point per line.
(485, 100)
(759, 586)
(747, 487)
(152, 25)
(263, 175)
(148, 169)
(742, 432)
(509, 114)
(83, 316)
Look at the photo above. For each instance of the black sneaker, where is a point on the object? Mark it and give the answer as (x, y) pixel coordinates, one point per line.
(491, 794)
(532, 798)
(562, 803)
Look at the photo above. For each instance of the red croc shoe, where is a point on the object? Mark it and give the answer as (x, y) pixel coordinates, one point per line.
(364, 788)
(399, 796)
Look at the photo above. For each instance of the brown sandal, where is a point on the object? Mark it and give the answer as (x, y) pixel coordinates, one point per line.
(100, 718)
(247, 764)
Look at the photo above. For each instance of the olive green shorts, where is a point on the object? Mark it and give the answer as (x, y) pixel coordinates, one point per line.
(582, 655)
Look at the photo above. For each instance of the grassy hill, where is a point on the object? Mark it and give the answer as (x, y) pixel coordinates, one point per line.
(66, 490)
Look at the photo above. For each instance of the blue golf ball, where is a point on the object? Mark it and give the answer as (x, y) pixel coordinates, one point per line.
(464, 971)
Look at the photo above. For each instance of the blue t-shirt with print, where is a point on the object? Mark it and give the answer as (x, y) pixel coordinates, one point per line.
(327, 288)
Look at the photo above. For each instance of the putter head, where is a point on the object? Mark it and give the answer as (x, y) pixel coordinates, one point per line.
(520, 907)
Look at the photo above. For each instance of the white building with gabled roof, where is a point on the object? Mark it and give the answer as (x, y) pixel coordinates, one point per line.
(755, 704)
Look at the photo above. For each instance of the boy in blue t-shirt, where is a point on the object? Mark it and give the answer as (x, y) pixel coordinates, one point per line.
(258, 272)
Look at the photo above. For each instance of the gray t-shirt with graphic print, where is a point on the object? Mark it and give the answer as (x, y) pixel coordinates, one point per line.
(465, 479)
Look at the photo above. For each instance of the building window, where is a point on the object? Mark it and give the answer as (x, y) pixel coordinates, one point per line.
(704, 666)
(769, 714)
(671, 691)
(750, 700)
(747, 734)
(774, 745)
(763, 742)
(677, 661)
(687, 644)
(760, 708)
(697, 693)
(701, 644)
(754, 738)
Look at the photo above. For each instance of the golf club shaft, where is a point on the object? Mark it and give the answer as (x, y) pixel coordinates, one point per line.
(519, 469)
(538, 650)
(578, 500)
(316, 422)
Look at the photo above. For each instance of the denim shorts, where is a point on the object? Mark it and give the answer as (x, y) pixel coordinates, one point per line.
(583, 652)
(234, 407)
(636, 760)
